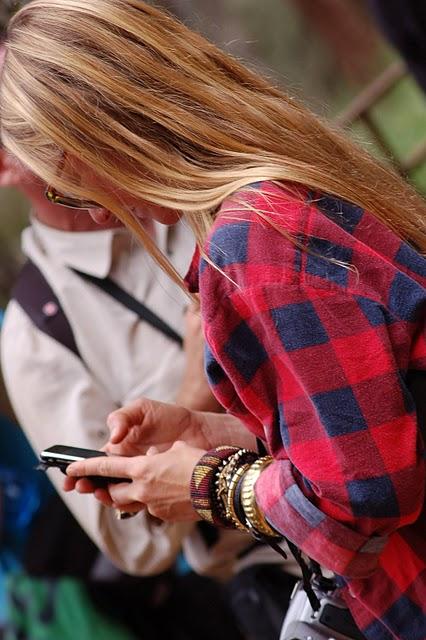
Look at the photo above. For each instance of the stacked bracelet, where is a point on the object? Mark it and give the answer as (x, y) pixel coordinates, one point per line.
(222, 489)
(226, 473)
(254, 518)
(214, 482)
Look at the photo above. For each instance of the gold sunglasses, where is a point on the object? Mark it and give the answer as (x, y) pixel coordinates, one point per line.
(55, 197)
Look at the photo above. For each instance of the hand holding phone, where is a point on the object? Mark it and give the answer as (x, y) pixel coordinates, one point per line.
(60, 456)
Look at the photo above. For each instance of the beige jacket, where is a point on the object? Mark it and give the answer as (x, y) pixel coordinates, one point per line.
(61, 399)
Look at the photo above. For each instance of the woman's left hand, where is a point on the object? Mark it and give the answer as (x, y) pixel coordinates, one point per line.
(160, 482)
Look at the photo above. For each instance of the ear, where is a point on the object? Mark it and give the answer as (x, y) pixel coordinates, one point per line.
(3, 170)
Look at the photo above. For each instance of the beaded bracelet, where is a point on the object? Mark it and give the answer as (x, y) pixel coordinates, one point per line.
(225, 474)
(203, 486)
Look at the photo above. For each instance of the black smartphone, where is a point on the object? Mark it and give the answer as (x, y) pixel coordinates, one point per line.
(60, 456)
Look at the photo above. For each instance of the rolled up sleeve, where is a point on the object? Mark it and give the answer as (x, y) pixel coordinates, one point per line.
(323, 373)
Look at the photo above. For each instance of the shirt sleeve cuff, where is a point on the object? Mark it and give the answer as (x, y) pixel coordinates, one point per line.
(333, 544)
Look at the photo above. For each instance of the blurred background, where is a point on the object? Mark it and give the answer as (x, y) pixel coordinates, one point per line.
(331, 54)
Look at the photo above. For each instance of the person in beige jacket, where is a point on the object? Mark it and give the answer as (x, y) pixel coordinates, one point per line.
(60, 398)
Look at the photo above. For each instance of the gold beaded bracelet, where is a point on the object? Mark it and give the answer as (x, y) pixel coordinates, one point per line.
(226, 473)
(254, 516)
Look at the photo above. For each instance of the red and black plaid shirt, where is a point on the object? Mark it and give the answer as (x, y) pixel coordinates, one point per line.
(311, 350)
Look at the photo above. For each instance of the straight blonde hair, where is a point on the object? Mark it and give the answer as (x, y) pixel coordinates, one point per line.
(166, 116)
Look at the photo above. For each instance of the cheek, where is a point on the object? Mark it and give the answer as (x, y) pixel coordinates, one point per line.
(160, 214)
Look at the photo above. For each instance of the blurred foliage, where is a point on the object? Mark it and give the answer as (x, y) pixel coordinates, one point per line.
(13, 217)
(401, 119)
(7, 8)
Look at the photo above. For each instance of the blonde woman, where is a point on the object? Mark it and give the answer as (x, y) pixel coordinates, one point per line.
(312, 285)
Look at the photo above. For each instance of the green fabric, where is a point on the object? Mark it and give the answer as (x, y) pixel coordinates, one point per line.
(61, 609)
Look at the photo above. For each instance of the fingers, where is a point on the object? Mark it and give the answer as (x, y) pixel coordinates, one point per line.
(83, 485)
(106, 466)
(103, 496)
(119, 424)
(122, 420)
(69, 484)
(124, 496)
(143, 423)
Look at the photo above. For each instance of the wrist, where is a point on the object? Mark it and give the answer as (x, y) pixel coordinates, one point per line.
(220, 428)
(200, 400)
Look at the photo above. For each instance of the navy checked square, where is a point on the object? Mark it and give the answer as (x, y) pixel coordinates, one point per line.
(228, 244)
(404, 615)
(339, 412)
(321, 265)
(373, 498)
(374, 312)
(245, 351)
(407, 298)
(377, 629)
(298, 326)
(409, 258)
(343, 213)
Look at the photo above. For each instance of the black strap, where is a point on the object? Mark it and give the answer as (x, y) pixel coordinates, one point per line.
(115, 291)
(36, 297)
(416, 383)
(261, 449)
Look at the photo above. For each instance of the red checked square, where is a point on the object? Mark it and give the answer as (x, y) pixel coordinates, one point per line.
(401, 572)
(321, 467)
(364, 355)
(396, 440)
(318, 367)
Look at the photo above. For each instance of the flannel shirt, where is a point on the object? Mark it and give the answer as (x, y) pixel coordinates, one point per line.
(312, 323)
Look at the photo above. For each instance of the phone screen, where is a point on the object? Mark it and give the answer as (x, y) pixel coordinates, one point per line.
(66, 453)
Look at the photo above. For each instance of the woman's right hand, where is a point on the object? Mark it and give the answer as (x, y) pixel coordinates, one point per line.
(145, 423)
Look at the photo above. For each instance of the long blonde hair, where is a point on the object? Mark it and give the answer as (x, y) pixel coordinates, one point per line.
(163, 114)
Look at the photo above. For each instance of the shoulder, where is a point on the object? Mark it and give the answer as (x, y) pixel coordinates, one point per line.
(252, 230)
(266, 233)
(271, 234)
(23, 343)
(20, 343)
(248, 215)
